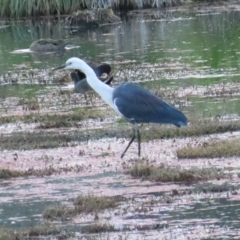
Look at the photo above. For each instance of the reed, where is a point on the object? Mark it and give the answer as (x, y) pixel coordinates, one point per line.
(34, 8)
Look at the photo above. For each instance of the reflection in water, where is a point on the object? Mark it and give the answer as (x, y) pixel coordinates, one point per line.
(188, 48)
(190, 39)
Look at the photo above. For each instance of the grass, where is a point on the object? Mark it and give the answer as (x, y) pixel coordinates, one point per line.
(37, 140)
(40, 140)
(70, 120)
(92, 203)
(43, 230)
(26, 8)
(58, 211)
(217, 149)
(164, 173)
(54, 120)
(7, 173)
(195, 128)
(32, 233)
(31, 104)
(82, 204)
(97, 228)
(8, 234)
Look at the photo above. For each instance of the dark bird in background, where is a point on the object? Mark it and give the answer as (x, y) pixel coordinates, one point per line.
(48, 45)
(81, 85)
(80, 82)
(134, 103)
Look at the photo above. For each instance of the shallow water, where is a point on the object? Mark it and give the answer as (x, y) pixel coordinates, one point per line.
(191, 56)
(190, 39)
(190, 49)
(213, 211)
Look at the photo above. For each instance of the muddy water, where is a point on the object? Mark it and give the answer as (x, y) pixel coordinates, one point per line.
(193, 56)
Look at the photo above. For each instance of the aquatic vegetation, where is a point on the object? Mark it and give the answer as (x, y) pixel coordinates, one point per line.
(31, 104)
(216, 149)
(197, 127)
(164, 173)
(9, 173)
(18, 8)
(37, 231)
(59, 211)
(97, 228)
(8, 234)
(42, 139)
(72, 118)
(91, 203)
(93, 18)
(26, 141)
(82, 204)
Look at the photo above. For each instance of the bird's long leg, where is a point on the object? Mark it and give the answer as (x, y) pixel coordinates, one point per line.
(130, 142)
(139, 142)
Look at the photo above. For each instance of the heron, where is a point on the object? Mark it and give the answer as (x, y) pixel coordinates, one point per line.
(135, 104)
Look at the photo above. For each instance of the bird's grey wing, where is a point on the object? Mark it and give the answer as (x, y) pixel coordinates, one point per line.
(139, 105)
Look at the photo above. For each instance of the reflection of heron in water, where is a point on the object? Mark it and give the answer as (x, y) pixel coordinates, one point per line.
(134, 103)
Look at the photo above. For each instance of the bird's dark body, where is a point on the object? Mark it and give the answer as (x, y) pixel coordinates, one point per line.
(138, 105)
(81, 85)
(80, 81)
(99, 70)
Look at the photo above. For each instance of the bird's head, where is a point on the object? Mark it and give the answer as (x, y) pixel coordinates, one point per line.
(73, 63)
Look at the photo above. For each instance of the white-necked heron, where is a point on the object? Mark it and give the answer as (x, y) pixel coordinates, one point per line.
(132, 102)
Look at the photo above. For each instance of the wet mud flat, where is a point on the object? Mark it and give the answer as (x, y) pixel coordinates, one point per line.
(61, 172)
(62, 176)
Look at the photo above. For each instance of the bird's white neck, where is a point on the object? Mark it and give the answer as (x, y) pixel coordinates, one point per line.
(98, 86)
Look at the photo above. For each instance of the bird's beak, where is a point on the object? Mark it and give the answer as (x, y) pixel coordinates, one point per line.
(60, 67)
